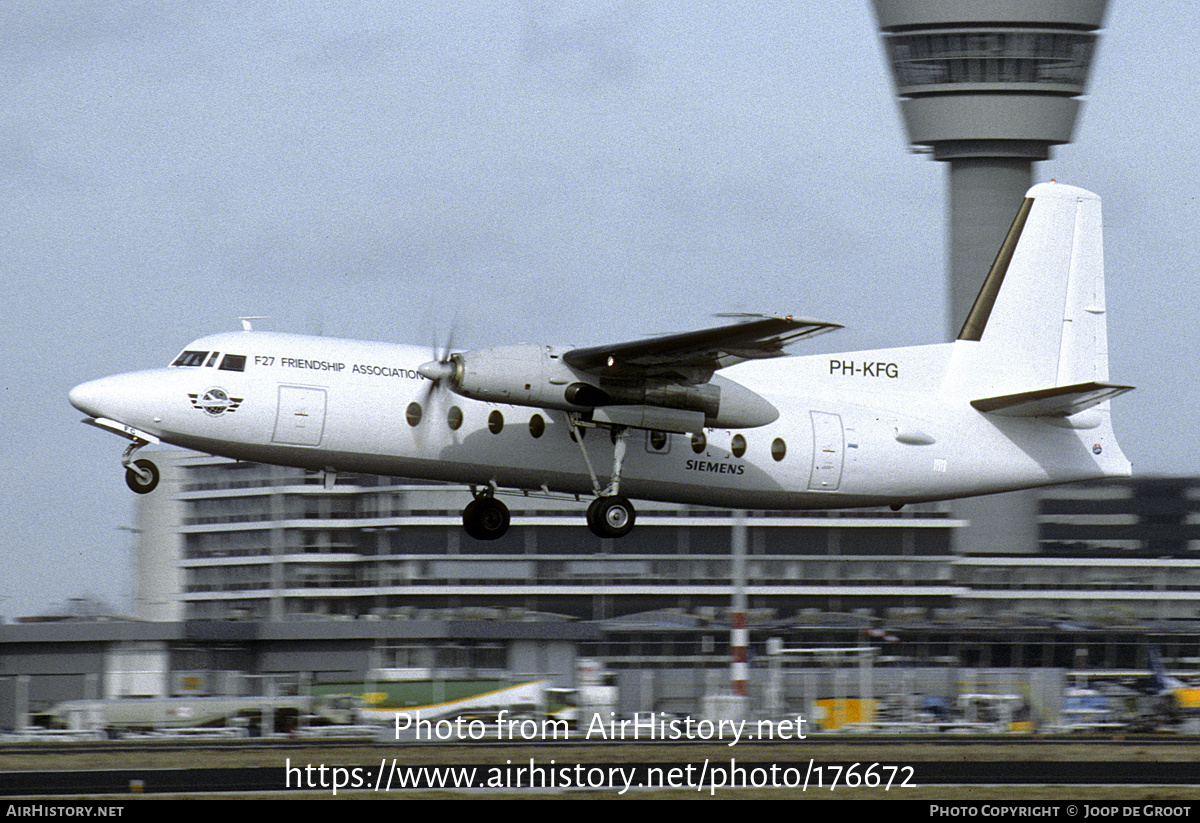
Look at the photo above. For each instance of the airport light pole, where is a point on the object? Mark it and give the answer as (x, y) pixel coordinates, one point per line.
(739, 632)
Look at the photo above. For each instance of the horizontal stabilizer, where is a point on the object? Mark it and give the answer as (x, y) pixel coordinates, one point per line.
(1057, 402)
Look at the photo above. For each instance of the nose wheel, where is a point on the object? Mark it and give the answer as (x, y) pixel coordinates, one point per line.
(610, 516)
(141, 476)
(485, 518)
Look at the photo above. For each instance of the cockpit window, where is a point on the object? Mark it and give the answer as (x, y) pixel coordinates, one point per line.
(233, 362)
(212, 358)
(190, 358)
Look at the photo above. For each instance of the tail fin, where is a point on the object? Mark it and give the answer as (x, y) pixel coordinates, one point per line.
(1039, 320)
(1159, 679)
(1157, 672)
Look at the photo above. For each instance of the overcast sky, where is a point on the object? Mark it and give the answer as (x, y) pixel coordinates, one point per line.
(568, 172)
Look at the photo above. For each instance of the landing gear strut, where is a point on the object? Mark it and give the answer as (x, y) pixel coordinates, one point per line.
(141, 476)
(485, 517)
(610, 514)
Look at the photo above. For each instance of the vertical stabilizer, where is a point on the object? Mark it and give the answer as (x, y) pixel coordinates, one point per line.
(1038, 322)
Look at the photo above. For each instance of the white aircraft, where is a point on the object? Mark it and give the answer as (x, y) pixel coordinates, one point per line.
(1020, 399)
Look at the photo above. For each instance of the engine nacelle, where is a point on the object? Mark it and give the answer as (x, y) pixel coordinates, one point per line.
(535, 375)
(526, 375)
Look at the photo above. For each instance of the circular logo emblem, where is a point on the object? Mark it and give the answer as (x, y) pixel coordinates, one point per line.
(1096, 449)
(214, 401)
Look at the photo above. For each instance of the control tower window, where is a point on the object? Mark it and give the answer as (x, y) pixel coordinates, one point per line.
(1015, 56)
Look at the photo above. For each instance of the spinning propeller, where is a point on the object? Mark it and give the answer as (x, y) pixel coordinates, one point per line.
(441, 368)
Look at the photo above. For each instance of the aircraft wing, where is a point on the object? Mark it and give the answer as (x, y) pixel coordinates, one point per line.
(693, 356)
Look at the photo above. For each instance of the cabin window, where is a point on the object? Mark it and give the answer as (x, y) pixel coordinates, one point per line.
(778, 449)
(699, 442)
(454, 418)
(413, 414)
(738, 445)
(190, 358)
(537, 426)
(657, 440)
(495, 422)
(233, 362)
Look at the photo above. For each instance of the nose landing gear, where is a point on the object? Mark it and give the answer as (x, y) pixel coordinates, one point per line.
(141, 476)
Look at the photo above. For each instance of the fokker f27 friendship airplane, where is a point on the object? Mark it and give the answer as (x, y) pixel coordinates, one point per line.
(1020, 399)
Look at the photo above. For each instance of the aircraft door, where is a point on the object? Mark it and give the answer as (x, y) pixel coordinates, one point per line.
(301, 417)
(828, 452)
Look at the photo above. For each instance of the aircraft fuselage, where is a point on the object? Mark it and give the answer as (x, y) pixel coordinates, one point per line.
(858, 429)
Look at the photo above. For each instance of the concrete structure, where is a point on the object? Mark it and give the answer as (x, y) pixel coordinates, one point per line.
(377, 577)
(158, 574)
(1119, 551)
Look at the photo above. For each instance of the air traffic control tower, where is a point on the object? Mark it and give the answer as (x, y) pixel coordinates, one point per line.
(987, 86)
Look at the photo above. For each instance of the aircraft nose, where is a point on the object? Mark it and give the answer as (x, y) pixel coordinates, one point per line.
(87, 397)
(98, 398)
(136, 399)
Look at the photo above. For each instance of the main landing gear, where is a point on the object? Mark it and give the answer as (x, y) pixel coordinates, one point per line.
(141, 476)
(610, 514)
(485, 517)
